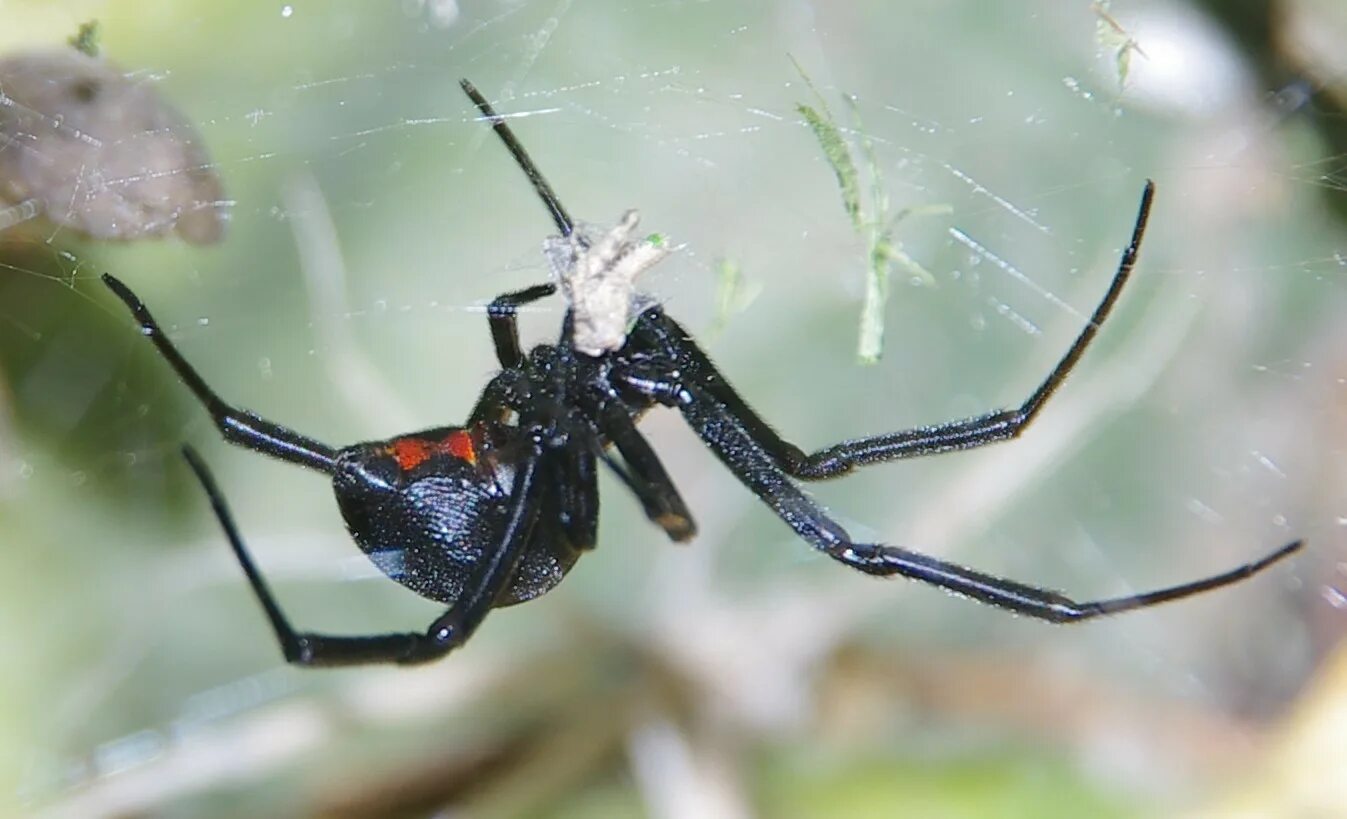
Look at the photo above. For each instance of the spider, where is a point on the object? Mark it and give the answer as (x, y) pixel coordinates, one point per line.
(495, 512)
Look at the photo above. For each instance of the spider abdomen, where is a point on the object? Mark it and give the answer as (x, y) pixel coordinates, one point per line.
(428, 520)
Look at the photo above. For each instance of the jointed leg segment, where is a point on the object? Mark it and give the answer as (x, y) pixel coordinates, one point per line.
(733, 442)
(521, 158)
(1033, 601)
(839, 459)
(237, 426)
(447, 632)
(985, 429)
(501, 315)
(644, 474)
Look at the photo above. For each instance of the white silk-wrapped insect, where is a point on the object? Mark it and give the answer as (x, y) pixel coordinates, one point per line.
(597, 274)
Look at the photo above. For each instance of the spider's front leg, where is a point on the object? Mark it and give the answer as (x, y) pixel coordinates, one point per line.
(662, 332)
(237, 426)
(501, 314)
(726, 434)
(999, 425)
(521, 157)
(489, 579)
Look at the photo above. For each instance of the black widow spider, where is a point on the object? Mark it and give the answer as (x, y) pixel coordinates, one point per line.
(495, 512)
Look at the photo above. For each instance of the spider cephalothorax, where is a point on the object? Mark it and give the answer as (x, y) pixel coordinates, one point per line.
(495, 512)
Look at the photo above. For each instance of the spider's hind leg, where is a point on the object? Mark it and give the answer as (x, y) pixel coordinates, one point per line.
(446, 633)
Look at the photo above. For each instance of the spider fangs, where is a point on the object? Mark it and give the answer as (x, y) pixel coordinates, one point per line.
(496, 511)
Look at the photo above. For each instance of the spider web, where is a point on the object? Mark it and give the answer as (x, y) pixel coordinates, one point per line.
(371, 218)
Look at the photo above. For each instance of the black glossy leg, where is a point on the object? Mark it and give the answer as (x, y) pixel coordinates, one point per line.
(644, 474)
(501, 314)
(445, 634)
(1031, 600)
(237, 426)
(737, 448)
(503, 394)
(521, 158)
(575, 479)
(655, 330)
(994, 426)
(571, 473)
(841, 458)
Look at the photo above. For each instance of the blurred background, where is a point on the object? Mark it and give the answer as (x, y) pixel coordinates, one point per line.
(368, 218)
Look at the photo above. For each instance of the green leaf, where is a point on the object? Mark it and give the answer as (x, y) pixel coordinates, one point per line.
(86, 39)
(837, 154)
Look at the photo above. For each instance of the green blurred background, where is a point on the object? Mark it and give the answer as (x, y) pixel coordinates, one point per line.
(371, 220)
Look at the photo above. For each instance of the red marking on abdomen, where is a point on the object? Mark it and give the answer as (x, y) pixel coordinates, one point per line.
(459, 444)
(412, 452)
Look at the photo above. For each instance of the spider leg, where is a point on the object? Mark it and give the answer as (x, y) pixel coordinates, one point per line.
(521, 158)
(576, 480)
(503, 394)
(734, 443)
(643, 473)
(994, 426)
(841, 458)
(655, 330)
(1033, 601)
(237, 426)
(447, 632)
(501, 315)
